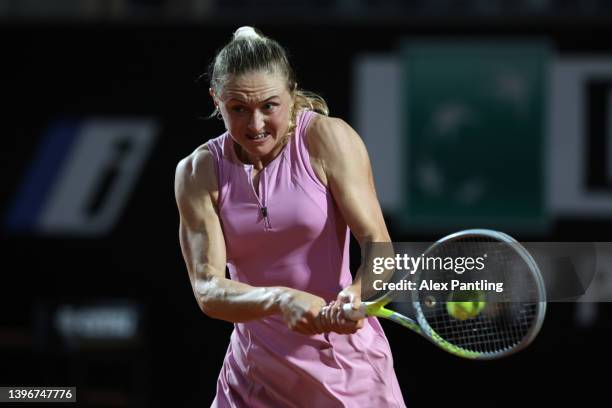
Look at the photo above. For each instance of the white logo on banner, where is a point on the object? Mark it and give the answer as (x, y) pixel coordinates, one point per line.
(97, 176)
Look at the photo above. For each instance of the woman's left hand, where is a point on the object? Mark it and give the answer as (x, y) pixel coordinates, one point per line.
(332, 316)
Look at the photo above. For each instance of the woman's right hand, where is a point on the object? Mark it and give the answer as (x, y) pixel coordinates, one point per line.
(300, 311)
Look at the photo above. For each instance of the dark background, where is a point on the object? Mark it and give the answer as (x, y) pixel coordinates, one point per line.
(58, 67)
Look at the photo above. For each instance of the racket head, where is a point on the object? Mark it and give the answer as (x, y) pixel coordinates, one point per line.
(505, 325)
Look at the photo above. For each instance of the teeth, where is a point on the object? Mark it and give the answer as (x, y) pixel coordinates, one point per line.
(259, 136)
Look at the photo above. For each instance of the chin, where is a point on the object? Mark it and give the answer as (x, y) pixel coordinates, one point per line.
(261, 149)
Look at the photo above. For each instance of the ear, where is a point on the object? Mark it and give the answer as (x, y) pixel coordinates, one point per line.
(214, 97)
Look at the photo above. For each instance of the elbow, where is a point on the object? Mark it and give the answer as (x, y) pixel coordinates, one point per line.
(378, 236)
(205, 293)
(211, 307)
(207, 308)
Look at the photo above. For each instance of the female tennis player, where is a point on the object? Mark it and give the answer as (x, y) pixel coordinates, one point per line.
(273, 199)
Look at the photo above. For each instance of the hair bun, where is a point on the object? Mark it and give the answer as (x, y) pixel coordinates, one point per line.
(246, 32)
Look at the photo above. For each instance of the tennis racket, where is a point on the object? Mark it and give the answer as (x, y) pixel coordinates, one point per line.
(508, 321)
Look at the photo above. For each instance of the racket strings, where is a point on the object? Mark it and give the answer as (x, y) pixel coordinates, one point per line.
(507, 317)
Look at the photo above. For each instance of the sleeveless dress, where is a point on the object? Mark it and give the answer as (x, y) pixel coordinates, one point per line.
(292, 234)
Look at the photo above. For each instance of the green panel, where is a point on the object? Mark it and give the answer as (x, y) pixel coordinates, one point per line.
(474, 126)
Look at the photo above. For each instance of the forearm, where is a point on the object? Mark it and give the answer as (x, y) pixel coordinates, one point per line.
(235, 302)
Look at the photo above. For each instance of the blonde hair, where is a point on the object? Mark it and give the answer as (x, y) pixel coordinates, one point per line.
(251, 51)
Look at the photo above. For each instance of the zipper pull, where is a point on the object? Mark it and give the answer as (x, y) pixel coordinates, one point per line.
(264, 212)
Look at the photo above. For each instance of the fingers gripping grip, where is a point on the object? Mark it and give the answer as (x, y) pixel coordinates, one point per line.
(353, 314)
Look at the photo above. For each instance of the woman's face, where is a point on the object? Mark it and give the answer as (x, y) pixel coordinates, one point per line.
(256, 109)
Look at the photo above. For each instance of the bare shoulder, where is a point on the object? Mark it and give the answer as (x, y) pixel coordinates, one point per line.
(330, 139)
(196, 172)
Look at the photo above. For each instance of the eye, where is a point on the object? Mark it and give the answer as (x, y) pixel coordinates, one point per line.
(237, 109)
(270, 106)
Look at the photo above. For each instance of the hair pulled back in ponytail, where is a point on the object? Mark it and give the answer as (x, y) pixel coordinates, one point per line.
(251, 51)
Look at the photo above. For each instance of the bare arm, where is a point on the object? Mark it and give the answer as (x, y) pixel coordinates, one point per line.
(341, 161)
(203, 247)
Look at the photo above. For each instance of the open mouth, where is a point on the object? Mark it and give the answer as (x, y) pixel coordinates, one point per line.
(259, 136)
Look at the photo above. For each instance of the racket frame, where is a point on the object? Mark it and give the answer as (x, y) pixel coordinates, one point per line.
(422, 327)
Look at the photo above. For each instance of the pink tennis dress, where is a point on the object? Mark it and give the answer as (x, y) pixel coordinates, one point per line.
(292, 234)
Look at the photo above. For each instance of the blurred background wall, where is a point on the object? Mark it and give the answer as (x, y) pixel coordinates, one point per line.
(476, 113)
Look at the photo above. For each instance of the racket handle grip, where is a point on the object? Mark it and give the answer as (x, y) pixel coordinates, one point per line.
(353, 314)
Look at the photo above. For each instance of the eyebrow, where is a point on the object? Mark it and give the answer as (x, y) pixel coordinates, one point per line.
(242, 101)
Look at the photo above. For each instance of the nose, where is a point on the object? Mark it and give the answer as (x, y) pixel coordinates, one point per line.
(256, 122)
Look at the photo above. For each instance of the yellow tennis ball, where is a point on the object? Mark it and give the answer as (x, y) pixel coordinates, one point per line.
(464, 310)
(466, 305)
